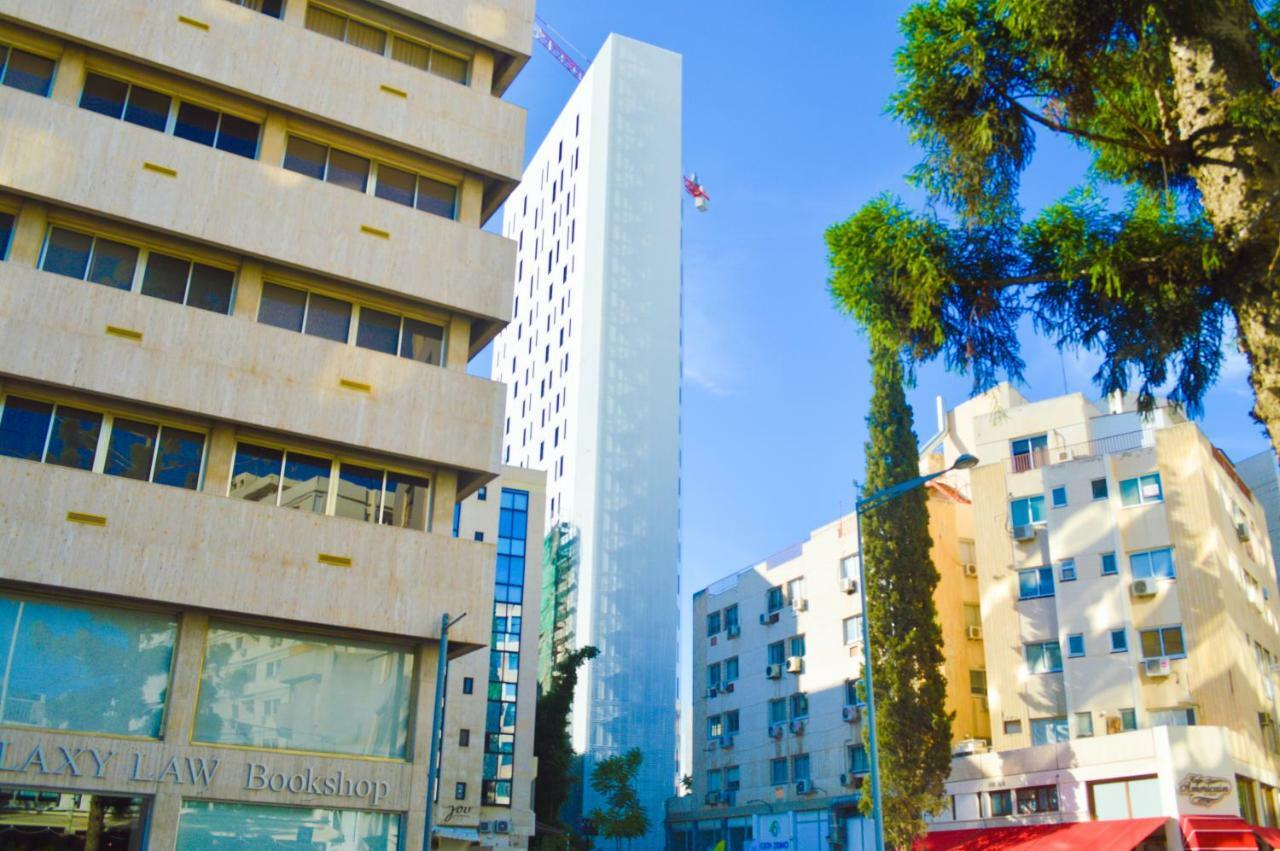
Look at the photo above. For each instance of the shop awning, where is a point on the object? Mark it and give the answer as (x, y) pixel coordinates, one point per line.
(1218, 833)
(1117, 835)
(1270, 834)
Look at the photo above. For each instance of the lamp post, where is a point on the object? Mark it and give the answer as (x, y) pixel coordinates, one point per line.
(864, 505)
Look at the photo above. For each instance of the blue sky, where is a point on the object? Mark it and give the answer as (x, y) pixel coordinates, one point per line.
(784, 123)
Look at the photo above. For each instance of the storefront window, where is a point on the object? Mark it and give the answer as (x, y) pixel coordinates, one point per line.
(273, 689)
(64, 821)
(85, 668)
(1137, 797)
(206, 825)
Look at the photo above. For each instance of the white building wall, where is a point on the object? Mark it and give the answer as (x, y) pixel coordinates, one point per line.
(592, 360)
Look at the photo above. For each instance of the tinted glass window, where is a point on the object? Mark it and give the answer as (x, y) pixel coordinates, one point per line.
(348, 170)
(131, 449)
(395, 185)
(378, 331)
(166, 277)
(325, 22)
(207, 824)
(178, 462)
(104, 95)
(211, 289)
(67, 253)
(74, 439)
(436, 197)
(405, 503)
(306, 482)
(197, 124)
(366, 37)
(449, 67)
(24, 428)
(411, 53)
(147, 108)
(255, 473)
(328, 318)
(359, 493)
(282, 307)
(62, 823)
(422, 342)
(28, 72)
(305, 157)
(238, 136)
(6, 230)
(113, 264)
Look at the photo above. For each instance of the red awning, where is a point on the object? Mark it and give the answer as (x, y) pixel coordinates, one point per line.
(1270, 834)
(1218, 833)
(1118, 835)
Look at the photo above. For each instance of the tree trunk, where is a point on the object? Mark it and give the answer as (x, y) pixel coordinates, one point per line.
(1215, 64)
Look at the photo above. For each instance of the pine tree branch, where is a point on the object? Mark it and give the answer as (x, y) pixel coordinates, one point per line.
(1058, 127)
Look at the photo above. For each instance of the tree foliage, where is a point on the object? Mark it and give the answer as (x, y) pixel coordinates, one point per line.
(551, 742)
(623, 817)
(912, 722)
(1174, 102)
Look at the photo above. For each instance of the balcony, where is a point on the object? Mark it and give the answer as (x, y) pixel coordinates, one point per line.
(190, 549)
(1040, 457)
(232, 369)
(80, 159)
(287, 66)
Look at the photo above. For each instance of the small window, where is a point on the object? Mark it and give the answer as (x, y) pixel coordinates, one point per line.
(774, 599)
(858, 761)
(1099, 488)
(1084, 724)
(1128, 719)
(1035, 582)
(6, 231)
(799, 705)
(483, 493)
(184, 282)
(778, 711)
(1029, 452)
(778, 772)
(460, 791)
(1109, 567)
(853, 630)
(1119, 641)
(797, 646)
(713, 623)
(1028, 511)
(1164, 641)
(800, 767)
(715, 727)
(1001, 802)
(730, 613)
(1075, 645)
(270, 8)
(479, 536)
(1037, 799)
(1153, 564)
(25, 71)
(1141, 490)
(306, 157)
(468, 685)
(1044, 657)
(713, 675)
(88, 258)
(978, 682)
(464, 738)
(1046, 731)
(731, 669)
(777, 653)
(1059, 495)
(1012, 727)
(1067, 570)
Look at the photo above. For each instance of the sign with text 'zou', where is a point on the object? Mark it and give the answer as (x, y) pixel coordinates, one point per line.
(53, 764)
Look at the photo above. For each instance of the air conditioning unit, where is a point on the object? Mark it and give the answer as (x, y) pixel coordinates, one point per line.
(502, 827)
(734, 631)
(726, 742)
(1242, 531)
(713, 691)
(849, 586)
(1143, 588)
(797, 726)
(773, 672)
(970, 569)
(800, 604)
(485, 827)
(727, 688)
(968, 747)
(851, 779)
(974, 633)
(1157, 667)
(795, 664)
(1025, 533)
(712, 799)
(804, 787)
(851, 713)
(768, 618)
(776, 730)
(1115, 724)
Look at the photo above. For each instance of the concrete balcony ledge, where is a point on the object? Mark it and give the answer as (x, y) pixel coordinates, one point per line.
(306, 73)
(68, 155)
(189, 549)
(232, 369)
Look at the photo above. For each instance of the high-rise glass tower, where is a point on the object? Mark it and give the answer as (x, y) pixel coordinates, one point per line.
(592, 363)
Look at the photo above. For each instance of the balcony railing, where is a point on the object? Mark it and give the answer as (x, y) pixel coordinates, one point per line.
(1109, 445)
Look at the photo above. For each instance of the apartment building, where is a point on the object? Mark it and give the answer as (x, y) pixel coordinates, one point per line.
(777, 700)
(1128, 596)
(242, 271)
(592, 363)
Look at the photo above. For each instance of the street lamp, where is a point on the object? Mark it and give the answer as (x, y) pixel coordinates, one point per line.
(875, 500)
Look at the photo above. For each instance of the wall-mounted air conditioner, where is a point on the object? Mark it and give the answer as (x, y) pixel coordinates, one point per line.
(974, 633)
(795, 664)
(849, 586)
(773, 672)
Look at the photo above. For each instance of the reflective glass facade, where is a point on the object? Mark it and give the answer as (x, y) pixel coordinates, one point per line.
(504, 654)
(214, 824)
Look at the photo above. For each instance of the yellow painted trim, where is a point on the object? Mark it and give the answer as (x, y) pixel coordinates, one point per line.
(124, 333)
(358, 386)
(86, 519)
(160, 169)
(378, 232)
(192, 22)
(333, 560)
(392, 90)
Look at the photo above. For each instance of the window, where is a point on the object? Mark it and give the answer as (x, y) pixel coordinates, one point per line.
(1044, 657)
(1099, 488)
(777, 653)
(393, 334)
(308, 313)
(468, 685)
(464, 738)
(978, 682)
(158, 111)
(1109, 567)
(853, 693)
(61, 816)
(778, 771)
(732, 722)
(731, 617)
(1067, 570)
(206, 824)
(972, 614)
(82, 668)
(800, 767)
(795, 590)
(1075, 645)
(1035, 582)
(1178, 716)
(1037, 799)
(1136, 797)
(858, 762)
(713, 623)
(713, 780)
(6, 231)
(799, 705)
(1048, 730)
(1119, 641)
(731, 669)
(114, 264)
(460, 791)
(376, 40)
(1059, 495)
(292, 479)
(778, 711)
(1029, 452)
(853, 630)
(317, 718)
(849, 567)
(1153, 564)
(797, 645)
(1027, 511)
(715, 727)
(1012, 727)
(1162, 641)
(774, 599)
(1084, 724)
(1128, 719)
(356, 172)
(1141, 490)
(25, 71)
(270, 8)
(732, 779)
(1001, 802)
(67, 436)
(713, 675)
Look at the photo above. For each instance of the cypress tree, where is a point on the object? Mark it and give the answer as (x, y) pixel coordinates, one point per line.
(913, 724)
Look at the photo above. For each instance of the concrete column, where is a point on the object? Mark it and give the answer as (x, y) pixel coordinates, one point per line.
(248, 290)
(459, 343)
(274, 135)
(470, 200)
(166, 806)
(295, 12)
(444, 495)
(415, 820)
(28, 233)
(68, 80)
(217, 466)
(482, 71)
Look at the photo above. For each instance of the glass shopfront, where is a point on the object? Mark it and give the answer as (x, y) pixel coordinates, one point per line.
(210, 825)
(42, 820)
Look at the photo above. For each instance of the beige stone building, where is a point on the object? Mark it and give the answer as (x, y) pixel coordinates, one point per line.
(242, 271)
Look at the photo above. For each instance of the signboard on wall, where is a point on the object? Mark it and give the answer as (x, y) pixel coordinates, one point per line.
(773, 833)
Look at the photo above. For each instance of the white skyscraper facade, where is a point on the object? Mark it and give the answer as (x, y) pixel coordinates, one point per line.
(592, 361)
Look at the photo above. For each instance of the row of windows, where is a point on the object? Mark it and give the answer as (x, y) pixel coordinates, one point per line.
(378, 40)
(778, 651)
(728, 617)
(352, 171)
(1045, 657)
(1140, 490)
(730, 672)
(1037, 582)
